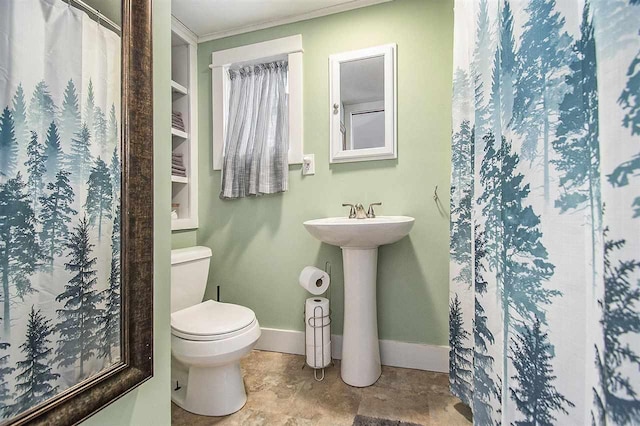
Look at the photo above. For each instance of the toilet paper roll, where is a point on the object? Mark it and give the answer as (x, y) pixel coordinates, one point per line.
(316, 317)
(314, 280)
(317, 361)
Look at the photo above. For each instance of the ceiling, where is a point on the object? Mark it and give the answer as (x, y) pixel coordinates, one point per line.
(213, 19)
(362, 80)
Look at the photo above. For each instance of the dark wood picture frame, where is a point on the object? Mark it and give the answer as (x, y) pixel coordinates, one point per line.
(89, 396)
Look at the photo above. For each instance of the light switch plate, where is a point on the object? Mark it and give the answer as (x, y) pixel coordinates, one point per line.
(309, 164)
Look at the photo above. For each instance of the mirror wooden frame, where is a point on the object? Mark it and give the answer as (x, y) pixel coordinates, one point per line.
(89, 396)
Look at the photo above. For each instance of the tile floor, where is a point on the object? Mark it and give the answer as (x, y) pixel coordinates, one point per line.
(280, 392)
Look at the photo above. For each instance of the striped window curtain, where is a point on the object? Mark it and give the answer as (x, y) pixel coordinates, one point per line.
(257, 141)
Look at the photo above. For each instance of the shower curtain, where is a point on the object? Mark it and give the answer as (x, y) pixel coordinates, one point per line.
(59, 200)
(545, 211)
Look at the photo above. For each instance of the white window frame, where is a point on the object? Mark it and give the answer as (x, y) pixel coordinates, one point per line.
(286, 47)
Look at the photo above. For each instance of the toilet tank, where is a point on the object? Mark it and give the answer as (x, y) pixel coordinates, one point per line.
(189, 272)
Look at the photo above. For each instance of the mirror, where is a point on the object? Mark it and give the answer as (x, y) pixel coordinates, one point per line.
(75, 241)
(362, 108)
(362, 103)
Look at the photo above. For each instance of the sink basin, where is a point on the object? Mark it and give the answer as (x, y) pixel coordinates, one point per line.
(359, 240)
(360, 233)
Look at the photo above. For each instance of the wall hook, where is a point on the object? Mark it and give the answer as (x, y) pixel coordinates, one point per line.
(441, 208)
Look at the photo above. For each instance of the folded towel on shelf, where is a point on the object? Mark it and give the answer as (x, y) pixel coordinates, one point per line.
(176, 160)
(176, 121)
(177, 165)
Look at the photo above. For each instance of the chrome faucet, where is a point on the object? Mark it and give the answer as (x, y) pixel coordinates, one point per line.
(352, 210)
(357, 211)
(370, 213)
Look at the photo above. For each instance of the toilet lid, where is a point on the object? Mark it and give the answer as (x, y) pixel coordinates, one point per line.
(211, 318)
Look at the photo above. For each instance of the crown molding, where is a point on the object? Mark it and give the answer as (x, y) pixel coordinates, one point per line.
(183, 31)
(344, 7)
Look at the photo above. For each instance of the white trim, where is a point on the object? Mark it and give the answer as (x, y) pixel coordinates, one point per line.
(188, 139)
(179, 179)
(177, 88)
(193, 140)
(285, 341)
(392, 353)
(183, 32)
(179, 133)
(390, 149)
(355, 4)
(252, 52)
(219, 90)
(221, 61)
(296, 109)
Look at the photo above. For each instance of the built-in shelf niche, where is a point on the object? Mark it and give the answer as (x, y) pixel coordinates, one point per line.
(178, 90)
(179, 134)
(184, 189)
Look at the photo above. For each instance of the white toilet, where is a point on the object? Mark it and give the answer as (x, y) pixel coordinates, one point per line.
(207, 340)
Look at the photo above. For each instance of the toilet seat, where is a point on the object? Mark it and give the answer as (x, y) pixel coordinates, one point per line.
(211, 321)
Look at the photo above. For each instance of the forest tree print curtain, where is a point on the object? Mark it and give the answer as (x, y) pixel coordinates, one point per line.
(545, 211)
(59, 200)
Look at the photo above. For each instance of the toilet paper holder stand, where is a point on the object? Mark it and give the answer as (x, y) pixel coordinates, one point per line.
(325, 319)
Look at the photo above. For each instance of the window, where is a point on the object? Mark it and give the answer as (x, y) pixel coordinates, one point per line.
(287, 48)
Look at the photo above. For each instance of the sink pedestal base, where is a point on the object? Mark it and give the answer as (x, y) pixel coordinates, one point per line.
(360, 365)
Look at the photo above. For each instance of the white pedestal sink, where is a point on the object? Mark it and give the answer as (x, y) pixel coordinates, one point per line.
(359, 240)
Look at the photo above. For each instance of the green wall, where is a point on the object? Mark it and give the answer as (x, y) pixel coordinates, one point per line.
(259, 245)
(150, 404)
(109, 8)
(181, 239)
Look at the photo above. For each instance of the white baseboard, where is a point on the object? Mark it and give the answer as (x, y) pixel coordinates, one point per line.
(392, 353)
(286, 341)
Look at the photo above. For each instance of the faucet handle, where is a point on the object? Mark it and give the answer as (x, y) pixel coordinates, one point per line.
(370, 213)
(352, 210)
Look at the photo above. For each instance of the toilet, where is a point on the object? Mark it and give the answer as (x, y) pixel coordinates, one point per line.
(208, 338)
